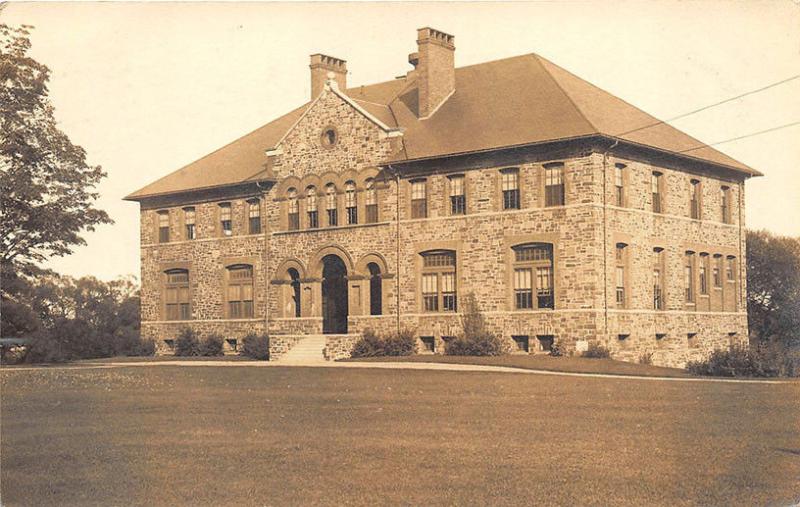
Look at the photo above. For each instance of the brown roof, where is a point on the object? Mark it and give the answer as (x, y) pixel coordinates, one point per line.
(511, 102)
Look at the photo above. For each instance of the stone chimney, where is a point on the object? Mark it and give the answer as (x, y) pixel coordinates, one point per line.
(320, 66)
(435, 68)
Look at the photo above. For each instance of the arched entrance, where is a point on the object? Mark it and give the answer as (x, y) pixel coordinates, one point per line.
(334, 295)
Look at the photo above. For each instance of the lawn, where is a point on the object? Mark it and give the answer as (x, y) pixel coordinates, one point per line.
(171, 435)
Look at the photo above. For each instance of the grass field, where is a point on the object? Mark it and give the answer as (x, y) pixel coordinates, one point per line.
(170, 435)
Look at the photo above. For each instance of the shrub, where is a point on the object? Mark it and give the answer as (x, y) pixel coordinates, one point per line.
(15, 354)
(370, 344)
(741, 361)
(186, 344)
(556, 350)
(256, 347)
(476, 339)
(597, 351)
(646, 358)
(211, 346)
(145, 347)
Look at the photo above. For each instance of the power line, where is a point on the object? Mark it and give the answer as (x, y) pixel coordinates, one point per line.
(742, 137)
(709, 106)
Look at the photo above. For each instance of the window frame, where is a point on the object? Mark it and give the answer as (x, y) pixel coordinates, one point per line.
(458, 194)
(292, 210)
(312, 213)
(181, 308)
(657, 191)
(621, 255)
(620, 177)
(690, 296)
(254, 215)
(537, 260)
(370, 201)
(725, 204)
(510, 194)
(190, 226)
(163, 222)
(351, 202)
(659, 278)
(238, 308)
(554, 176)
(419, 205)
(225, 219)
(332, 204)
(695, 199)
(438, 273)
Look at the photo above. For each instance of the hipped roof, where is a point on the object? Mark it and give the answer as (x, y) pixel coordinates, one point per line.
(511, 102)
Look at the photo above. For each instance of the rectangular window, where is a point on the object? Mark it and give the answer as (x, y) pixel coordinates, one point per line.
(233, 344)
(330, 206)
(621, 266)
(546, 342)
(178, 304)
(716, 271)
(350, 203)
(688, 277)
(163, 226)
(619, 184)
(703, 280)
(658, 279)
(458, 199)
(428, 344)
(430, 292)
(371, 201)
(449, 292)
(225, 219)
(510, 188)
(419, 199)
(521, 343)
(254, 216)
(725, 201)
(694, 203)
(293, 209)
(240, 292)
(554, 185)
(544, 287)
(523, 288)
(655, 189)
(188, 221)
(730, 269)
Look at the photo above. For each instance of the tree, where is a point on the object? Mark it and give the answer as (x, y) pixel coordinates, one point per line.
(773, 287)
(46, 185)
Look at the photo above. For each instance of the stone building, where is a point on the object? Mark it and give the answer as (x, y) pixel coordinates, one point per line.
(571, 215)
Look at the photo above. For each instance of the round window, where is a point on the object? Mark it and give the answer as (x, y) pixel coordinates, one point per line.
(329, 137)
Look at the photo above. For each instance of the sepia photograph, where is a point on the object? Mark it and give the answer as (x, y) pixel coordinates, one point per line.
(400, 253)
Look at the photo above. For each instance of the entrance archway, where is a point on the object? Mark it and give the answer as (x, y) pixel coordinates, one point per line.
(334, 295)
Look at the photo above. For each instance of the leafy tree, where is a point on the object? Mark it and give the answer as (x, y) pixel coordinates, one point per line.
(773, 287)
(47, 187)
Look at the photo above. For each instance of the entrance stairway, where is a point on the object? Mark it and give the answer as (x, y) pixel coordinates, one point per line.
(307, 350)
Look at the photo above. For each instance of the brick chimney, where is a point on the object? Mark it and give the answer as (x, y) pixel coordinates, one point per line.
(435, 68)
(320, 66)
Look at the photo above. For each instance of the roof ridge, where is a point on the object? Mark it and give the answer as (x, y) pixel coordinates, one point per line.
(538, 59)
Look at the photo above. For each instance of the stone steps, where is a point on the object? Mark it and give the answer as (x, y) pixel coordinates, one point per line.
(307, 350)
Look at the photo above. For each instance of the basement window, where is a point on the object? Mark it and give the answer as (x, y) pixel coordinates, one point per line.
(521, 343)
(546, 342)
(233, 343)
(428, 344)
(170, 344)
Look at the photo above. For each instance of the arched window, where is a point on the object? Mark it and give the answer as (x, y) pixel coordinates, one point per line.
(311, 207)
(240, 291)
(177, 299)
(294, 278)
(371, 201)
(439, 281)
(330, 205)
(350, 202)
(293, 209)
(375, 289)
(533, 271)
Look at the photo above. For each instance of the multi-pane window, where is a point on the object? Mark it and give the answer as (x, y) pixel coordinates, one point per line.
(702, 273)
(658, 279)
(688, 277)
(226, 225)
(350, 202)
(510, 187)
(694, 202)
(254, 216)
(458, 200)
(439, 281)
(655, 190)
(189, 222)
(725, 204)
(554, 184)
(716, 271)
(163, 226)
(619, 184)
(371, 201)
(293, 208)
(533, 270)
(311, 208)
(178, 303)
(240, 291)
(419, 199)
(620, 257)
(330, 205)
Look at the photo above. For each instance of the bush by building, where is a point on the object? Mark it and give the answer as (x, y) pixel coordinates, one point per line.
(187, 344)
(370, 344)
(596, 351)
(476, 339)
(256, 347)
(211, 346)
(763, 360)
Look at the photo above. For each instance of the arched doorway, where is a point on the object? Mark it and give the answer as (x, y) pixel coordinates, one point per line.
(334, 295)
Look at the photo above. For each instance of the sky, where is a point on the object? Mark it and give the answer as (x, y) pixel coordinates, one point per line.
(147, 88)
